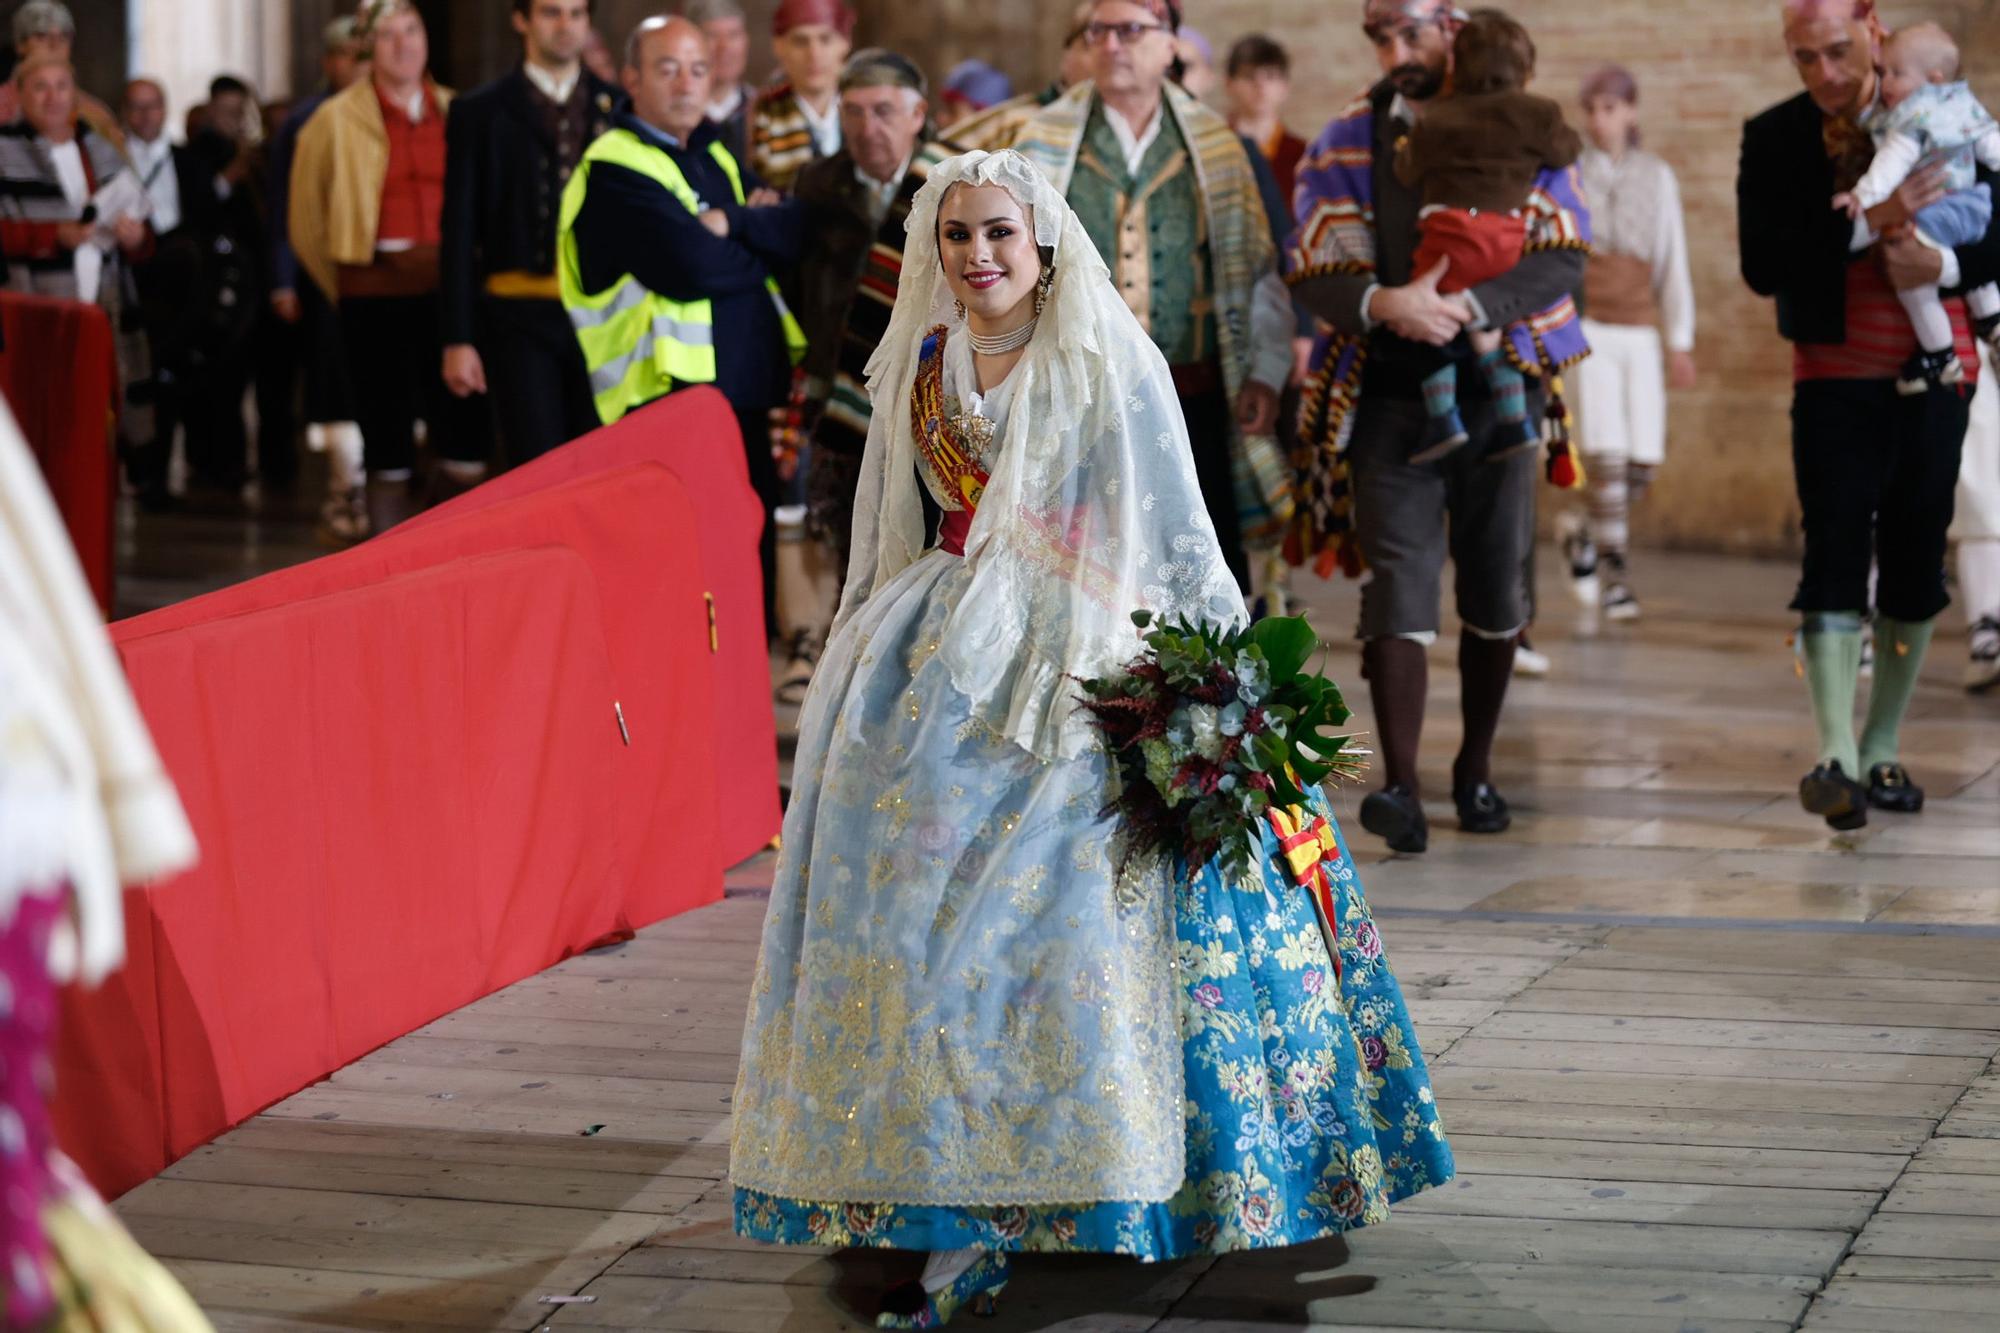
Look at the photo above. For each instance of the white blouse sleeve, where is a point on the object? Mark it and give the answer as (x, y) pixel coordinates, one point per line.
(1670, 266)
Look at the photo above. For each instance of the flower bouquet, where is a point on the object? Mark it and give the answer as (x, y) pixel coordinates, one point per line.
(1211, 729)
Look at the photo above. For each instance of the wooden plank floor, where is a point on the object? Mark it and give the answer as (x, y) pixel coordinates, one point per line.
(1706, 1066)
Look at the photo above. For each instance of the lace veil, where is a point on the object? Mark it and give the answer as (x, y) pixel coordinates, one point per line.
(1092, 510)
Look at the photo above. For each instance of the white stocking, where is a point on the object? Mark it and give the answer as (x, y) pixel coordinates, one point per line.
(944, 1267)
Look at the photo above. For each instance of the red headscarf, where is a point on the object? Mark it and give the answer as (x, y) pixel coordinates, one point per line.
(833, 14)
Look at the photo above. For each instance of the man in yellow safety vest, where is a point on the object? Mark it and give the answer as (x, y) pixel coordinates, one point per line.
(666, 252)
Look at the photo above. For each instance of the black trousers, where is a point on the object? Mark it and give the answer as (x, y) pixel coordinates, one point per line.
(1876, 474)
(535, 376)
(278, 353)
(396, 357)
(754, 422)
(329, 390)
(218, 441)
(1211, 426)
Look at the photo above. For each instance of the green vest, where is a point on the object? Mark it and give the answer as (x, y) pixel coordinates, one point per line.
(636, 343)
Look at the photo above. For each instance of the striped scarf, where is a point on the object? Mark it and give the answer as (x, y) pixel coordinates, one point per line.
(1335, 199)
(781, 139)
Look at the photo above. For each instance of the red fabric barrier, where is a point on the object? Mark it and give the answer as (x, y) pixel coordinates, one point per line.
(358, 878)
(694, 434)
(411, 788)
(59, 372)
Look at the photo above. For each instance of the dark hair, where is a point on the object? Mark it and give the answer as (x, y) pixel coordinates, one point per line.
(224, 84)
(1491, 54)
(1257, 52)
(525, 8)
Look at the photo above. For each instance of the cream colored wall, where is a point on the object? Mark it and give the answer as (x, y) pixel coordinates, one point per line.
(185, 43)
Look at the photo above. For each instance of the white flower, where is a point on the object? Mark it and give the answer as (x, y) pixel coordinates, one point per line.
(1147, 503)
(1205, 725)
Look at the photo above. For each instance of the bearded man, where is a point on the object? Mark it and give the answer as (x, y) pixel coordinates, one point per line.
(1364, 500)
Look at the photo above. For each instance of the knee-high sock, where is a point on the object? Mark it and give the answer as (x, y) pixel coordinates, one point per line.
(1831, 645)
(1983, 302)
(1510, 389)
(1900, 646)
(1441, 390)
(1610, 504)
(1398, 673)
(1484, 668)
(1927, 316)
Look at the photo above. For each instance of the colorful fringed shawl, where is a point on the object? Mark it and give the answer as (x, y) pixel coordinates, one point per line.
(1335, 200)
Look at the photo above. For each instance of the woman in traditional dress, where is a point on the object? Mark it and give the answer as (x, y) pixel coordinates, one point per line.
(969, 1034)
(1636, 287)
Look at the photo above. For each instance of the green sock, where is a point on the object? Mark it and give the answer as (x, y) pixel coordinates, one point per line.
(1831, 644)
(1441, 391)
(1899, 657)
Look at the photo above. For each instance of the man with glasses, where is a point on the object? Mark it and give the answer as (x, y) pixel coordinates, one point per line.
(1361, 499)
(1160, 180)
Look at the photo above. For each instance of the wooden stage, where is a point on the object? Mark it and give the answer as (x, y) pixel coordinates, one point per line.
(1705, 1065)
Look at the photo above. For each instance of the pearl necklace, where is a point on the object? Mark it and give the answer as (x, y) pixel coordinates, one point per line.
(1000, 344)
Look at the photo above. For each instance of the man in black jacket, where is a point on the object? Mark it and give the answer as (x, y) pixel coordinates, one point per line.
(510, 148)
(180, 182)
(1875, 470)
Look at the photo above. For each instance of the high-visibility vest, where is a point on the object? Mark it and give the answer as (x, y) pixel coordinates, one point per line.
(637, 344)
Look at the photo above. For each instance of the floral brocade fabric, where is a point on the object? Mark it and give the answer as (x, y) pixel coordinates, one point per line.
(1308, 1112)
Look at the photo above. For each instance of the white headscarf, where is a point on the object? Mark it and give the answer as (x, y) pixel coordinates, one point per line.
(1093, 509)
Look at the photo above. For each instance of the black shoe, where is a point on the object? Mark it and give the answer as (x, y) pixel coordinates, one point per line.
(1890, 788)
(1828, 792)
(1395, 816)
(1482, 809)
(1930, 370)
(1442, 434)
(1512, 439)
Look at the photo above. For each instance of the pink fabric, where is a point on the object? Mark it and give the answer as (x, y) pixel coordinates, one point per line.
(27, 1024)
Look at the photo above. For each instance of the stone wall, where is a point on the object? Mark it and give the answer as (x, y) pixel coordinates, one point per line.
(1704, 66)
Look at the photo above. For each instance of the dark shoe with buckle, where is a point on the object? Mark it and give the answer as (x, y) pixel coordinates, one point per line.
(1396, 816)
(1890, 788)
(1482, 809)
(1828, 792)
(1930, 370)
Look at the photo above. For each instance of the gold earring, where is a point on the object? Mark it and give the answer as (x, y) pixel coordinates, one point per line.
(958, 308)
(1042, 288)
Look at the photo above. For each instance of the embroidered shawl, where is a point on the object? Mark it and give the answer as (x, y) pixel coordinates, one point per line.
(781, 139)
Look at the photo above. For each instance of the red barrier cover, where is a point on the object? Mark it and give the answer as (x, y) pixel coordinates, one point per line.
(60, 375)
(407, 773)
(694, 434)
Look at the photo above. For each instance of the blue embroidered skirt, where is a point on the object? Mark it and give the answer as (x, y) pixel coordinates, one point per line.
(1309, 1111)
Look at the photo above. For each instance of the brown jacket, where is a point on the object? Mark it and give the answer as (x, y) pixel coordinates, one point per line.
(337, 171)
(1484, 150)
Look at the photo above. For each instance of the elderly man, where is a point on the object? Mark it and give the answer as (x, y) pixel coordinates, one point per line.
(728, 33)
(51, 166)
(1875, 469)
(45, 28)
(665, 252)
(1351, 266)
(511, 147)
(180, 182)
(367, 198)
(1190, 249)
(856, 205)
(799, 120)
(300, 307)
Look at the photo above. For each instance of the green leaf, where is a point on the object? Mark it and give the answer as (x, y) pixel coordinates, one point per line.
(1287, 643)
(1142, 618)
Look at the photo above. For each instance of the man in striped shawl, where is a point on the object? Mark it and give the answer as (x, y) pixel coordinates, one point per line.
(1361, 500)
(1167, 192)
(856, 204)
